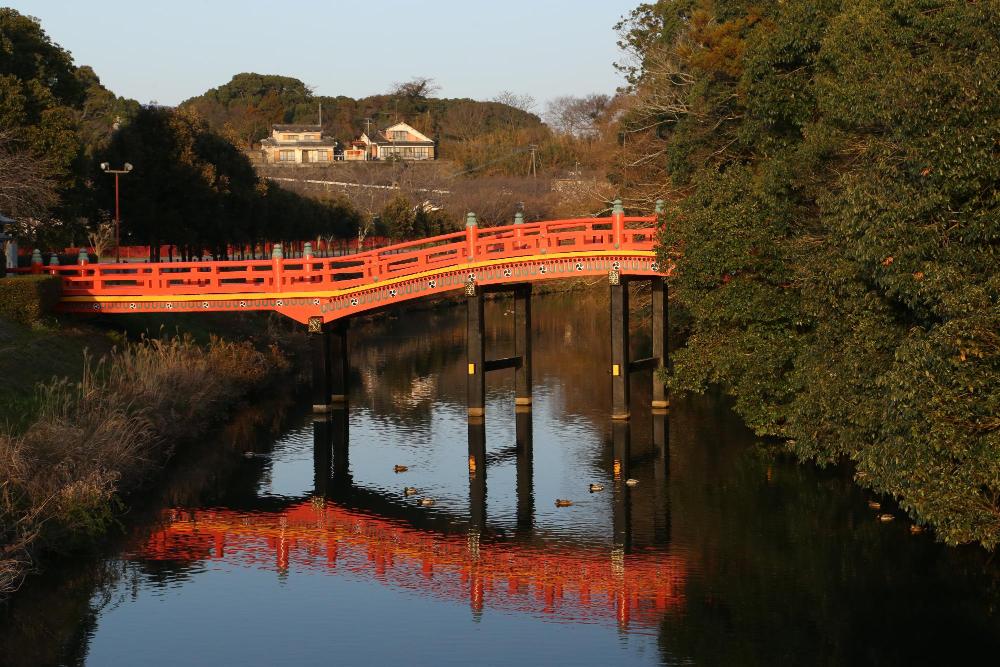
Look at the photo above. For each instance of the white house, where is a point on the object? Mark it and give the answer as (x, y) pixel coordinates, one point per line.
(399, 141)
(297, 144)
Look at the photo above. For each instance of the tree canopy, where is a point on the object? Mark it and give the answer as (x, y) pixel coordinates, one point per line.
(835, 226)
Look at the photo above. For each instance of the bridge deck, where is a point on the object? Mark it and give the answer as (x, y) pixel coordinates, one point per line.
(337, 287)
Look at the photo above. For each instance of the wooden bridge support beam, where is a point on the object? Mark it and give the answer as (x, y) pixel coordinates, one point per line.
(619, 346)
(661, 348)
(475, 340)
(522, 346)
(479, 365)
(621, 365)
(329, 364)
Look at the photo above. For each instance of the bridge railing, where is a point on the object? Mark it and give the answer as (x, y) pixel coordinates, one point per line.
(402, 259)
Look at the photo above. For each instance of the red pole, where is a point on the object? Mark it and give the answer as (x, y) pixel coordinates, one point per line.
(117, 224)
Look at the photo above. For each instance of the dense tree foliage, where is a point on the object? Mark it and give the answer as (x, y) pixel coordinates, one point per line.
(835, 228)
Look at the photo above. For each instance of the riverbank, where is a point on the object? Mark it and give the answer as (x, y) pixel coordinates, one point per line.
(91, 415)
(94, 409)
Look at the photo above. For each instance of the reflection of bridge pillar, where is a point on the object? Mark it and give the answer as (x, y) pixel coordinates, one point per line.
(340, 433)
(475, 338)
(329, 363)
(660, 341)
(661, 474)
(619, 346)
(477, 475)
(525, 472)
(522, 345)
(622, 507)
(322, 450)
(331, 464)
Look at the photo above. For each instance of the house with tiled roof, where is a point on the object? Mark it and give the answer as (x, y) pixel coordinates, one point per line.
(298, 144)
(396, 142)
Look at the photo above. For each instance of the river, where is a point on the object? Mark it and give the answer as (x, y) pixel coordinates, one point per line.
(310, 551)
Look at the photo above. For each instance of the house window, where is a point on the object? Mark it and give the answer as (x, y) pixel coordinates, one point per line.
(315, 156)
(291, 137)
(286, 156)
(399, 135)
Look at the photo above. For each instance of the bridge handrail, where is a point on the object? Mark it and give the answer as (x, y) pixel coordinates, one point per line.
(398, 260)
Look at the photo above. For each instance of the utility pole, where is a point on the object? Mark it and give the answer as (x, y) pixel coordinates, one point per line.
(106, 168)
(533, 148)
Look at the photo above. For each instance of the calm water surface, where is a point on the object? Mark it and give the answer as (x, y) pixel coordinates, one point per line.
(311, 552)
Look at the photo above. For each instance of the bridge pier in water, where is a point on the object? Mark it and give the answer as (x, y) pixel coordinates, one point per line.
(329, 364)
(478, 365)
(622, 366)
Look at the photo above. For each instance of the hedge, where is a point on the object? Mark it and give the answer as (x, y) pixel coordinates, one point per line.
(26, 299)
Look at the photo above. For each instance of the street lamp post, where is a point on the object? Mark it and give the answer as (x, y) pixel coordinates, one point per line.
(106, 168)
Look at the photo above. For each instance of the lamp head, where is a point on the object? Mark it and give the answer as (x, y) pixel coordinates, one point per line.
(104, 166)
(128, 166)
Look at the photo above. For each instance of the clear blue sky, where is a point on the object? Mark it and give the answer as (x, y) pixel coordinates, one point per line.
(169, 50)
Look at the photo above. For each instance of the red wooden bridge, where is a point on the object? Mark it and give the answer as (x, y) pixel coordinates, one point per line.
(324, 292)
(334, 288)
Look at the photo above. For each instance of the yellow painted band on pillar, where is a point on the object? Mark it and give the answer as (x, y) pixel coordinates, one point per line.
(616, 370)
(472, 369)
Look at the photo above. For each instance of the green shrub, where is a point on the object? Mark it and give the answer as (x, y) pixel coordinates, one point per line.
(26, 299)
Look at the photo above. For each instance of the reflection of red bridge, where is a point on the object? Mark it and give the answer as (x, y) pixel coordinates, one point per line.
(332, 288)
(562, 582)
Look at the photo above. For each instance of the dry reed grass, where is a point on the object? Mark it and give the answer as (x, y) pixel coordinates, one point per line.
(60, 480)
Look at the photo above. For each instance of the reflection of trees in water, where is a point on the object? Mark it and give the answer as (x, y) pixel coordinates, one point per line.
(795, 569)
(51, 620)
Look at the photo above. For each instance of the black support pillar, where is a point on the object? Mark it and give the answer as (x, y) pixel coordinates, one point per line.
(476, 343)
(619, 346)
(479, 365)
(337, 346)
(329, 364)
(660, 343)
(522, 346)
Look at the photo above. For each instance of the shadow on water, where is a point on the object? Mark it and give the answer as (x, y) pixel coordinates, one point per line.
(702, 546)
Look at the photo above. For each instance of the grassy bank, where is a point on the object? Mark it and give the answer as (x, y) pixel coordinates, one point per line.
(98, 431)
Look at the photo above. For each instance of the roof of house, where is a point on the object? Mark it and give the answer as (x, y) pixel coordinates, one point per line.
(298, 128)
(381, 138)
(325, 142)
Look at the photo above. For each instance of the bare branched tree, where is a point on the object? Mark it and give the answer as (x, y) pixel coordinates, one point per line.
(420, 87)
(524, 102)
(26, 188)
(102, 237)
(577, 116)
